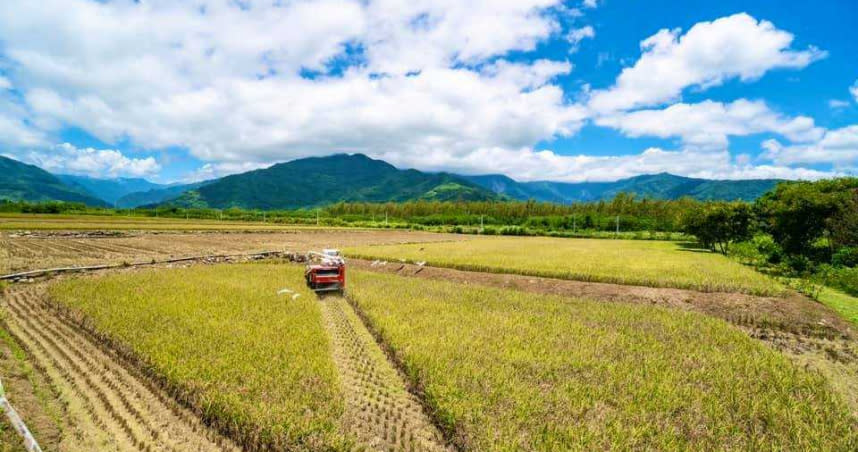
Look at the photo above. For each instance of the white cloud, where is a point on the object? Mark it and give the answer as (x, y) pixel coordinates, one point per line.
(225, 81)
(854, 90)
(576, 35)
(215, 170)
(5, 83)
(707, 55)
(838, 147)
(708, 124)
(590, 3)
(66, 158)
(422, 83)
(837, 104)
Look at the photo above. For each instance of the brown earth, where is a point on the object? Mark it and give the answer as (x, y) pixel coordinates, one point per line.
(105, 404)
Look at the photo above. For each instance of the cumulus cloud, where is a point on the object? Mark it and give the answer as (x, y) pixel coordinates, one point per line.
(420, 83)
(708, 124)
(710, 53)
(226, 82)
(839, 147)
(854, 90)
(576, 35)
(67, 158)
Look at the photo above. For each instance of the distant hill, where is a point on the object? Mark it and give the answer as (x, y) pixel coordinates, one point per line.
(22, 182)
(156, 195)
(110, 190)
(318, 181)
(656, 186)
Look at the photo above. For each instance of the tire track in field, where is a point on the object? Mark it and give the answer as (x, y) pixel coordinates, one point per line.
(380, 411)
(114, 410)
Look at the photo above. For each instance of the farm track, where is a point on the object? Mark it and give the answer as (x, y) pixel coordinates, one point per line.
(109, 406)
(380, 411)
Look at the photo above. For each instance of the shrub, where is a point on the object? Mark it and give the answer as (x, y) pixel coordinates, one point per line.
(846, 257)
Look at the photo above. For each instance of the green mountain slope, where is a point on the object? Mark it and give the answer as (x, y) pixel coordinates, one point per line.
(110, 190)
(319, 181)
(156, 195)
(657, 186)
(22, 182)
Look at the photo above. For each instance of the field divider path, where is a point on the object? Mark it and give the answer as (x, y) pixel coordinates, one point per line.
(380, 410)
(111, 407)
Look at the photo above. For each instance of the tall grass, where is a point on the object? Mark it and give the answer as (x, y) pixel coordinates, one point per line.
(507, 370)
(255, 364)
(647, 263)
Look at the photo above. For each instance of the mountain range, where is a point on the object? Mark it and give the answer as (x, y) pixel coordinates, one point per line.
(317, 181)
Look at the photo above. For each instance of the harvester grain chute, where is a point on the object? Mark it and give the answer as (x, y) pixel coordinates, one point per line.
(325, 271)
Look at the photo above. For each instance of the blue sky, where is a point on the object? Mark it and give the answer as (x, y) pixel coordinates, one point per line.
(535, 89)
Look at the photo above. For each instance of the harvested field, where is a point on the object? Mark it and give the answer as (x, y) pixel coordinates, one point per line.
(506, 370)
(635, 262)
(22, 252)
(105, 406)
(380, 412)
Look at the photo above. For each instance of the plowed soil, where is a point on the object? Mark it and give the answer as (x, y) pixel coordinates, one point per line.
(380, 411)
(106, 406)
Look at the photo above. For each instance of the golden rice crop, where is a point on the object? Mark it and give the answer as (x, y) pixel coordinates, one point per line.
(508, 370)
(635, 262)
(254, 363)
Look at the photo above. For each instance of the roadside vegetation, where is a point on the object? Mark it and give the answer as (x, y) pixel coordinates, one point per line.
(253, 363)
(507, 370)
(648, 263)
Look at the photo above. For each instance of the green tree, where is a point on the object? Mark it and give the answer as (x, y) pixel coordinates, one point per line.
(718, 224)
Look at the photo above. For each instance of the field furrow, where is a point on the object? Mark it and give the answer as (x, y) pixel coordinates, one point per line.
(380, 411)
(115, 410)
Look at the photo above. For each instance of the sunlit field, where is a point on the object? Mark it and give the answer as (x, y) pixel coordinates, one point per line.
(507, 370)
(254, 363)
(636, 262)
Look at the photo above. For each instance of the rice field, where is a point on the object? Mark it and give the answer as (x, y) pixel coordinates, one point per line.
(255, 364)
(506, 370)
(633, 262)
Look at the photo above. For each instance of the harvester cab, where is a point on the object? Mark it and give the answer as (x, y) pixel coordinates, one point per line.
(326, 271)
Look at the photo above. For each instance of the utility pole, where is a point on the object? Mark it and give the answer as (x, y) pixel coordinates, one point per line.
(618, 226)
(317, 217)
(385, 218)
(481, 224)
(574, 223)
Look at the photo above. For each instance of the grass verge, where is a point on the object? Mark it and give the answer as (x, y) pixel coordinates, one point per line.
(507, 370)
(634, 262)
(253, 363)
(845, 305)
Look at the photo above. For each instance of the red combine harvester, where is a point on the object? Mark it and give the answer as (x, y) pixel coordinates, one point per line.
(326, 271)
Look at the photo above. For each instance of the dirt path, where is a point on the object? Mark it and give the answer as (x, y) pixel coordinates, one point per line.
(380, 411)
(108, 406)
(793, 313)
